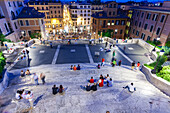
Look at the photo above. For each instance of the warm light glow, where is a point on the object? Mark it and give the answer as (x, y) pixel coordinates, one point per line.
(55, 21)
(79, 20)
(116, 30)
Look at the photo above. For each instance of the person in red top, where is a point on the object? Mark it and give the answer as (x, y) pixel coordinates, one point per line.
(138, 65)
(102, 64)
(101, 82)
(74, 68)
(91, 80)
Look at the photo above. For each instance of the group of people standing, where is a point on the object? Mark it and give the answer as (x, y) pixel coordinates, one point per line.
(34, 77)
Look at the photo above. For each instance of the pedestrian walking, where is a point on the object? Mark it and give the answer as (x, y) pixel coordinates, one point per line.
(124, 48)
(27, 52)
(102, 64)
(114, 63)
(106, 44)
(24, 53)
(138, 65)
(133, 65)
(44, 42)
(35, 77)
(120, 62)
(114, 53)
(110, 45)
(51, 44)
(29, 97)
(6, 46)
(99, 40)
(42, 76)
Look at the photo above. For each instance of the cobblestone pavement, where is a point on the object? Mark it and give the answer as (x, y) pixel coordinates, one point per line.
(135, 52)
(147, 98)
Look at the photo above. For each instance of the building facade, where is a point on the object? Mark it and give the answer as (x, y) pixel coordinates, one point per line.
(95, 8)
(8, 22)
(81, 17)
(30, 22)
(53, 15)
(109, 21)
(149, 23)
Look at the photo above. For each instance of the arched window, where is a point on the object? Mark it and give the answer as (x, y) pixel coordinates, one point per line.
(13, 15)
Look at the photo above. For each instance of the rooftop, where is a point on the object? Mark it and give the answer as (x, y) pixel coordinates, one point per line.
(104, 15)
(30, 12)
(158, 9)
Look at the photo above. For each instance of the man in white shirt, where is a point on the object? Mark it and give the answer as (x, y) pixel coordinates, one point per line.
(29, 96)
(130, 87)
(17, 95)
(35, 77)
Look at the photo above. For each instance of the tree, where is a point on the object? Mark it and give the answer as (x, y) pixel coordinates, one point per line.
(167, 44)
(2, 39)
(2, 62)
(35, 35)
(156, 42)
(108, 33)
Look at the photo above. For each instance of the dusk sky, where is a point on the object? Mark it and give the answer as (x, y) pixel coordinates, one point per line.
(122, 0)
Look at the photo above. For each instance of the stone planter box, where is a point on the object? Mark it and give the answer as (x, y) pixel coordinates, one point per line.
(158, 82)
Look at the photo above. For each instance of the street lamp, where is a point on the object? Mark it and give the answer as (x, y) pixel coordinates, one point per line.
(160, 54)
(156, 40)
(94, 37)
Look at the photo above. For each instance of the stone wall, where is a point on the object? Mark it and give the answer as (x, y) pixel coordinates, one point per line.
(158, 82)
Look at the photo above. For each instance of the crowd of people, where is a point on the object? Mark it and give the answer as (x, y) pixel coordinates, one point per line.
(101, 82)
(35, 77)
(93, 84)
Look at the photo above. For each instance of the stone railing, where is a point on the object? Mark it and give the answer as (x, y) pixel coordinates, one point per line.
(158, 82)
(5, 82)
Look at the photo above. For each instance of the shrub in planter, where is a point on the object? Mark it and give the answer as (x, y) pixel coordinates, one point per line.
(160, 63)
(2, 62)
(165, 73)
(167, 44)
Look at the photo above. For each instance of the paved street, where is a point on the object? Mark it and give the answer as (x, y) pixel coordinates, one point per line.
(39, 55)
(108, 55)
(72, 54)
(146, 99)
(135, 52)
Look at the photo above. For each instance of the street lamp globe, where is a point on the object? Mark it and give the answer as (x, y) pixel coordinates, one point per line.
(158, 38)
(161, 52)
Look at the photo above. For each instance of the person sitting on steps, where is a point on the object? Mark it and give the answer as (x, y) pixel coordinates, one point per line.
(110, 83)
(22, 73)
(78, 67)
(94, 87)
(27, 72)
(91, 80)
(74, 68)
(88, 87)
(98, 66)
(61, 89)
(71, 67)
(130, 88)
(54, 90)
